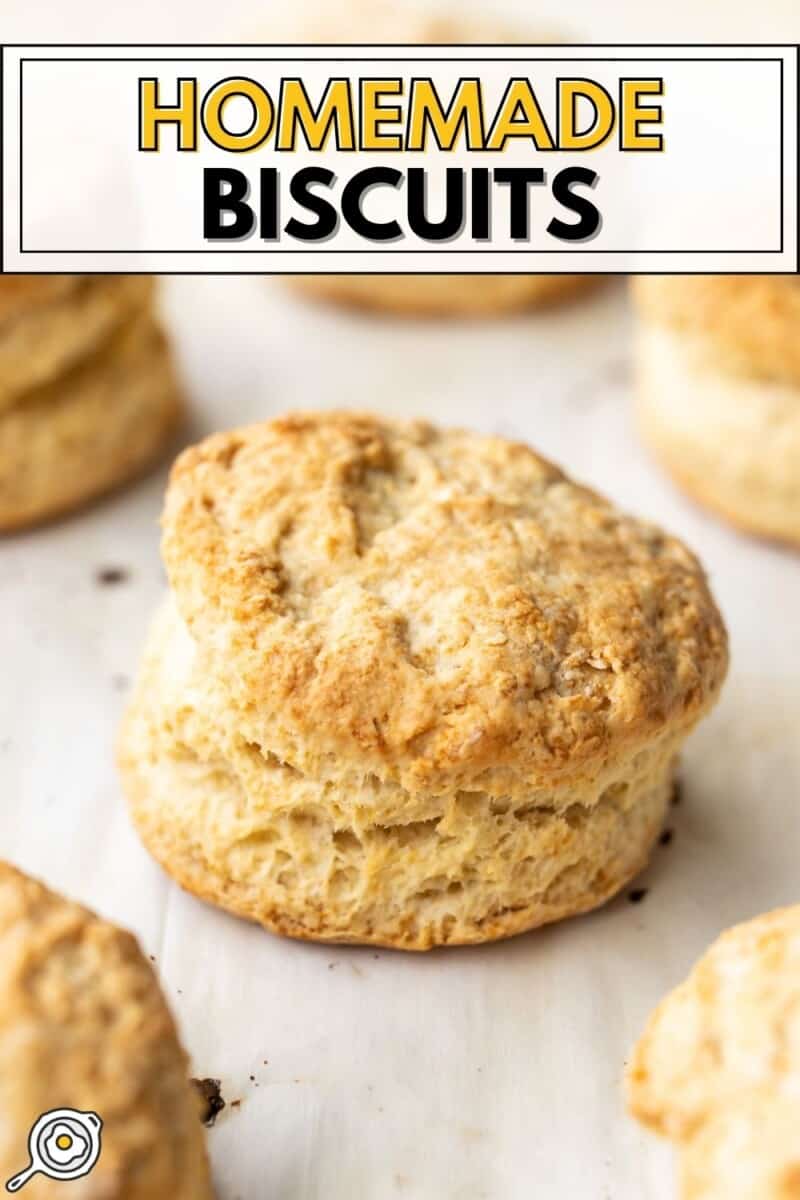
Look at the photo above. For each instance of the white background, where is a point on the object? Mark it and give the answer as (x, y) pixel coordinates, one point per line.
(487, 1073)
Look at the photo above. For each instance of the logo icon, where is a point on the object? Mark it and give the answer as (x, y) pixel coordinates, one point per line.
(63, 1144)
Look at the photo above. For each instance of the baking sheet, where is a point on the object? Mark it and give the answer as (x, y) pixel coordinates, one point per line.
(485, 1072)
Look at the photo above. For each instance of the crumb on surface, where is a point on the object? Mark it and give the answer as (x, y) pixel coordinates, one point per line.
(109, 576)
(666, 837)
(211, 1093)
(637, 895)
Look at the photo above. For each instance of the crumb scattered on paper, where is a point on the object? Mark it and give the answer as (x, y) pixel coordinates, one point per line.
(211, 1093)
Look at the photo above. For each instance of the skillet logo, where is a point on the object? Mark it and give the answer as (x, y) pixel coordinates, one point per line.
(63, 1144)
(399, 116)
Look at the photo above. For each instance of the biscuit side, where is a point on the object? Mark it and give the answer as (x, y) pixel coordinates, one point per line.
(749, 324)
(368, 862)
(445, 295)
(89, 431)
(39, 343)
(732, 442)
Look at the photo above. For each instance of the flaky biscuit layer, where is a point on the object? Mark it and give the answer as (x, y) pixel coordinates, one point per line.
(718, 1067)
(368, 863)
(90, 430)
(83, 1024)
(443, 610)
(732, 442)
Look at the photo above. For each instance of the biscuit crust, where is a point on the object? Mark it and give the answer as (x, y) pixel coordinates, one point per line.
(90, 430)
(440, 609)
(748, 324)
(716, 1068)
(49, 324)
(83, 1024)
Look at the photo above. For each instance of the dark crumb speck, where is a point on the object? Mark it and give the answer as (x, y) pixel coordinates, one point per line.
(211, 1095)
(666, 837)
(677, 793)
(109, 576)
(252, 1078)
(236, 1103)
(152, 957)
(637, 895)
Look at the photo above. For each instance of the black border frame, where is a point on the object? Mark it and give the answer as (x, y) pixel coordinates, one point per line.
(403, 58)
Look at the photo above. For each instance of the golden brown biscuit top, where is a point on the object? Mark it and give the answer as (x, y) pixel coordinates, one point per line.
(83, 1025)
(751, 322)
(431, 605)
(19, 294)
(722, 1054)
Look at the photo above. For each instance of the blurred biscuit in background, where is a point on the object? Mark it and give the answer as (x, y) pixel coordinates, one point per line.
(412, 687)
(385, 23)
(718, 392)
(49, 323)
(83, 1025)
(443, 295)
(717, 1068)
(88, 392)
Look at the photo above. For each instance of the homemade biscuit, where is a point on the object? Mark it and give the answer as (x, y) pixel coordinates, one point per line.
(89, 430)
(48, 324)
(718, 1065)
(384, 23)
(412, 687)
(719, 393)
(83, 1025)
